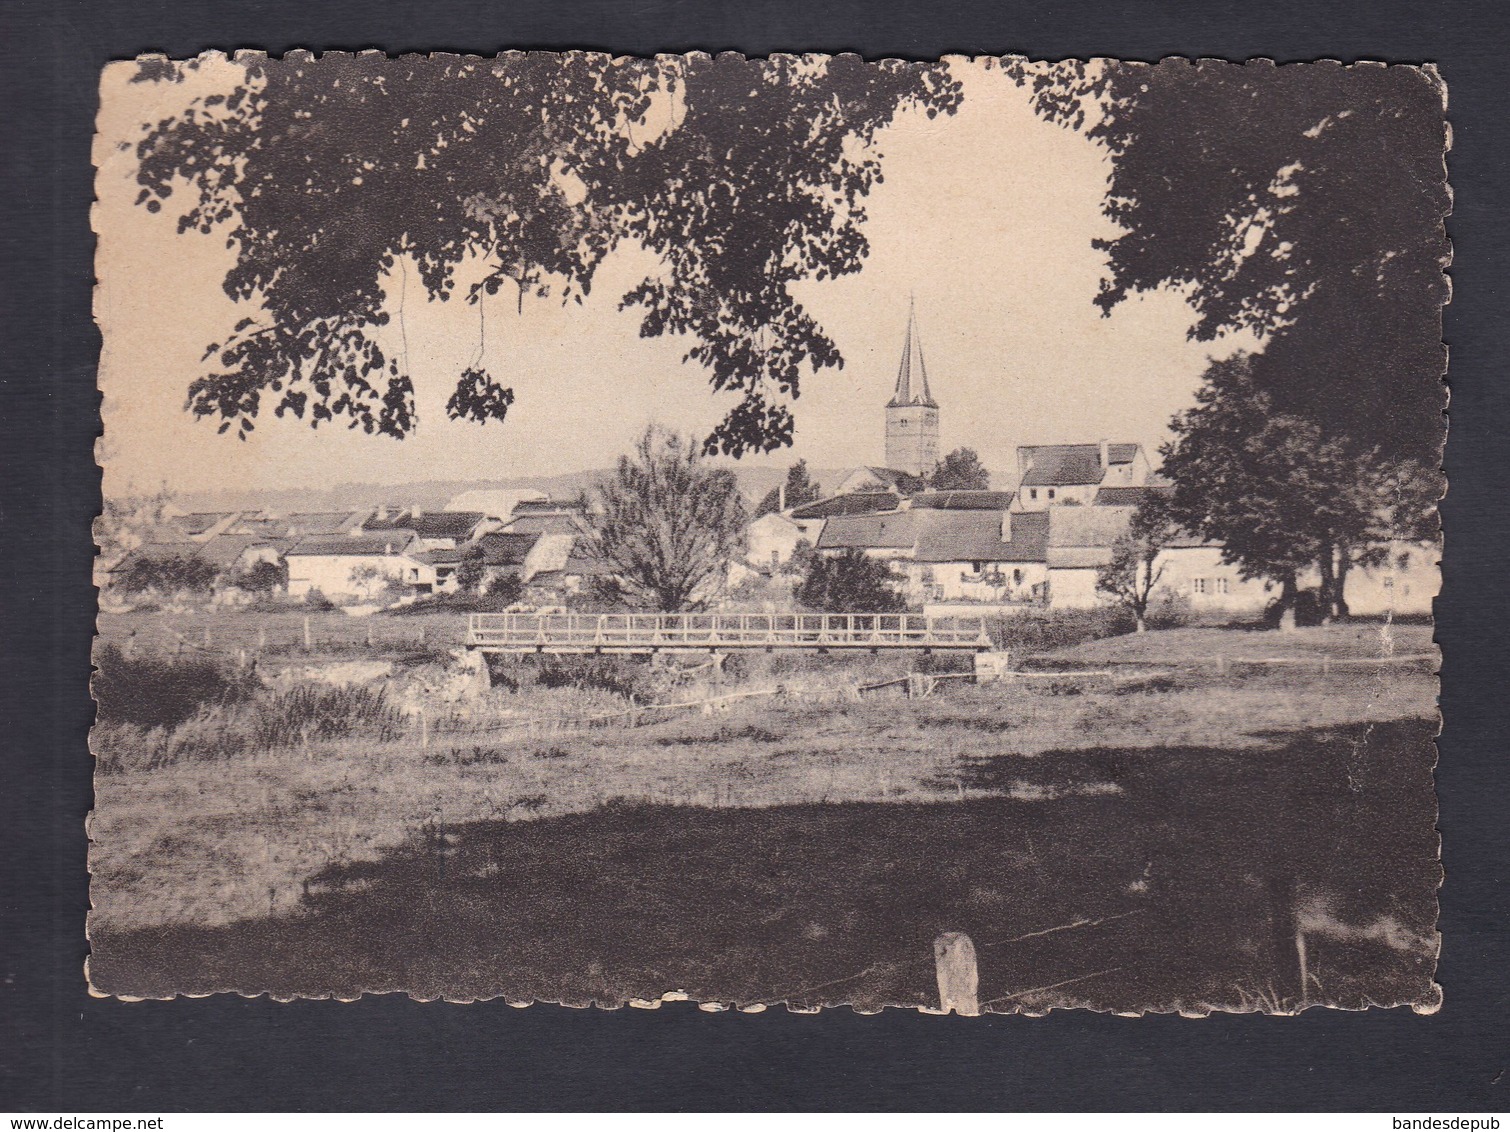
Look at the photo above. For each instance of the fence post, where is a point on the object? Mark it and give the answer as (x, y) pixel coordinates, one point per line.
(958, 977)
(424, 730)
(306, 633)
(261, 638)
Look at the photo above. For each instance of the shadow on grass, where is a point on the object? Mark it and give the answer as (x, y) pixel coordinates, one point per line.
(1193, 865)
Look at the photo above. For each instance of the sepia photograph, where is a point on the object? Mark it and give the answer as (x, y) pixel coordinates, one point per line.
(776, 533)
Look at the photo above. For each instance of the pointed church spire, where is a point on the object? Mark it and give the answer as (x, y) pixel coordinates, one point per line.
(913, 346)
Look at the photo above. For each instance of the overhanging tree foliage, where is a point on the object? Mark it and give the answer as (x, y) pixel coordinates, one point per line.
(665, 527)
(1306, 204)
(1302, 202)
(331, 176)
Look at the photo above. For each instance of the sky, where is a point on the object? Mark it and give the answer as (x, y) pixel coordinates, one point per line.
(985, 219)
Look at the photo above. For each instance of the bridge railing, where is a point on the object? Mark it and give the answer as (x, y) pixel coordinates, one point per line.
(728, 630)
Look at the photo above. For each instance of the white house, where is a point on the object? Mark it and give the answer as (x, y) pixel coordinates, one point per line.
(770, 542)
(356, 568)
(977, 556)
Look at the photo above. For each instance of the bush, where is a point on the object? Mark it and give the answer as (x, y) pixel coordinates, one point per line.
(622, 678)
(162, 691)
(316, 600)
(850, 583)
(1059, 628)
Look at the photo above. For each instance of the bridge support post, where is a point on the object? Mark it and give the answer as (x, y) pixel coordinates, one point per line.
(992, 666)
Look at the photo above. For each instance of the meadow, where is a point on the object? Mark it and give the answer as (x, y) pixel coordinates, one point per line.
(1152, 839)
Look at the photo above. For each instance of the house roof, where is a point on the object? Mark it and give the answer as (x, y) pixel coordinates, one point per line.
(962, 500)
(1131, 496)
(852, 503)
(553, 524)
(975, 536)
(201, 521)
(222, 551)
(498, 549)
(355, 546)
(1069, 465)
(878, 531)
(539, 506)
(458, 525)
(1088, 526)
(325, 522)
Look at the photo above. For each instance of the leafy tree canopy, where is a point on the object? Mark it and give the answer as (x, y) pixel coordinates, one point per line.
(1305, 203)
(329, 175)
(850, 582)
(800, 489)
(665, 527)
(1279, 493)
(960, 470)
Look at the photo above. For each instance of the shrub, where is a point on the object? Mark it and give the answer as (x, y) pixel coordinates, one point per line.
(606, 674)
(160, 691)
(850, 583)
(315, 599)
(1059, 628)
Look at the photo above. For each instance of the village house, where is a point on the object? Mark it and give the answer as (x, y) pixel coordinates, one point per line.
(1051, 474)
(975, 555)
(810, 517)
(436, 530)
(357, 568)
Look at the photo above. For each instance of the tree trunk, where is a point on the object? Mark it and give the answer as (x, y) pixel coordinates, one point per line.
(1344, 564)
(1287, 592)
(1141, 623)
(1327, 562)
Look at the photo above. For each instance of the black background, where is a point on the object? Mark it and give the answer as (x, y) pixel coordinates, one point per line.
(62, 1051)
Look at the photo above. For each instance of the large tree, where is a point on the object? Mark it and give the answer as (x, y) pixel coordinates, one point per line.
(960, 470)
(1281, 494)
(798, 489)
(665, 527)
(1301, 202)
(851, 582)
(332, 176)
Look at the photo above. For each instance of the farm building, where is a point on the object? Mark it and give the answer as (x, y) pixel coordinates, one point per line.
(503, 555)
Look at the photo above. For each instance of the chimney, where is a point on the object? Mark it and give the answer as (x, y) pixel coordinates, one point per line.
(1106, 454)
(416, 512)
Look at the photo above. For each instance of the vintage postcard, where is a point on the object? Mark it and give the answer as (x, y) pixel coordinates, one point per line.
(797, 532)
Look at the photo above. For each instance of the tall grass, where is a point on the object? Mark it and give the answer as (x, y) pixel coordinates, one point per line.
(270, 721)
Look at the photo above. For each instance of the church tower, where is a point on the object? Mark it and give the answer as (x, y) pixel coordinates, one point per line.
(912, 415)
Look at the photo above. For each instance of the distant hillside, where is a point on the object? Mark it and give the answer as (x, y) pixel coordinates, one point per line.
(433, 494)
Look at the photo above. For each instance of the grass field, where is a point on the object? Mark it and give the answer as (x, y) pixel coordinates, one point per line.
(1113, 844)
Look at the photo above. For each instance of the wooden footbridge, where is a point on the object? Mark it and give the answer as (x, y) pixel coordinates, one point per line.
(518, 633)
